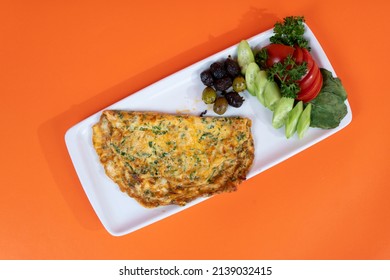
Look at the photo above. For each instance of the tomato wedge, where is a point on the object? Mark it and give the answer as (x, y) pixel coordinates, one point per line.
(277, 53)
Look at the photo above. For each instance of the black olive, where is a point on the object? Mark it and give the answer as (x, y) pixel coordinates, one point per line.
(232, 67)
(234, 99)
(218, 70)
(207, 78)
(223, 83)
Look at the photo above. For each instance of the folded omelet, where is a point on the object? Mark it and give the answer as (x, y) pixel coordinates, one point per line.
(162, 159)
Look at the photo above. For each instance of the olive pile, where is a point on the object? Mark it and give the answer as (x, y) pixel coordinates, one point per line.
(218, 79)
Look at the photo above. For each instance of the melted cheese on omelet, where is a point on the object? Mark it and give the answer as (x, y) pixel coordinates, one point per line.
(162, 159)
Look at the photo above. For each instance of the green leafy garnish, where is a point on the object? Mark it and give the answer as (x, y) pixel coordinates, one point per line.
(329, 108)
(332, 84)
(290, 32)
(261, 58)
(287, 74)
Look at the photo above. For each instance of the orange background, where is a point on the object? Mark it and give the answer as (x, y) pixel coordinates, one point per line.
(62, 61)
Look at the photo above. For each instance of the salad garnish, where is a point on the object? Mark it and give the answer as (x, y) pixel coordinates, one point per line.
(286, 79)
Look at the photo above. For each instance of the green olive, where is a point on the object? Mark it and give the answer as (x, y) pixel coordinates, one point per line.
(209, 95)
(220, 105)
(239, 84)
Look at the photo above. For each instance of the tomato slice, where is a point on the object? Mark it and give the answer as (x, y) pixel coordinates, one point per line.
(309, 60)
(298, 55)
(311, 82)
(316, 90)
(277, 53)
(311, 92)
(309, 78)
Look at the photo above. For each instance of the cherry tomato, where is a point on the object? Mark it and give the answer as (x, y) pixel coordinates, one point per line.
(277, 53)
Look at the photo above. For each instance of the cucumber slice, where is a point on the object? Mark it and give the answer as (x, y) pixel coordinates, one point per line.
(304, 121)
(251, 74)
(261, 82)
(271, 95)
(292, 119)
(282, 108)
(244, 55)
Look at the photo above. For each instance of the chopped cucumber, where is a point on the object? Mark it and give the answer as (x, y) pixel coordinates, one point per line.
(244, 55)
(292, 119)
(261, 82)
(271, 94)
(251, 74)
(304, 121)
(282, 108)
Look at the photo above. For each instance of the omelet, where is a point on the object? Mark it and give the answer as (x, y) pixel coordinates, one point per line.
(163, 159)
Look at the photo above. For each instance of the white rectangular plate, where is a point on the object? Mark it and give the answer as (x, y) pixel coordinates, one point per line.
(181, 92)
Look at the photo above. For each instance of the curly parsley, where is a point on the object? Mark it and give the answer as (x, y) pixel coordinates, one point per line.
(287, 73)
(290, 32)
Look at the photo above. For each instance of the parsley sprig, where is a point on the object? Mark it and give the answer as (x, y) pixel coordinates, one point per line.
(287, 73)
(290, 32)
(261, 58)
